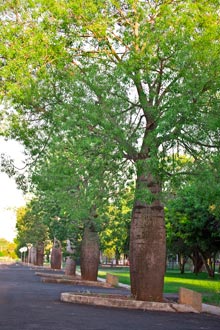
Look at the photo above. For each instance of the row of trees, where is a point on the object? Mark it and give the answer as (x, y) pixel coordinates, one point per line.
(104, 95)
(192, 227)
(44, 226)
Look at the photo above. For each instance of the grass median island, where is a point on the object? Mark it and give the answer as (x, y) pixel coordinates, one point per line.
(210, 288)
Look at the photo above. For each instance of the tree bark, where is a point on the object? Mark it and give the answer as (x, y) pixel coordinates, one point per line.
(33, 255)
(89, 257)
(208, 264)
(197, 261)
(117, 256)
(182, 261)
(56, 256)
(209, 269)
(147, 246)
(40, 254)
(70, 268)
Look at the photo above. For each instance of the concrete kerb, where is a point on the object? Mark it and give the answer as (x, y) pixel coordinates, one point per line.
(215, 310)
(210, 309)
(174, 307)
(71, 297)
(69, 279)
(75, 282)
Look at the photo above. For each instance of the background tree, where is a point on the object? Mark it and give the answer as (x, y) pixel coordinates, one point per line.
(79, 191)
(7, 249)
(31, 229)
(193, 229)
(115, 235)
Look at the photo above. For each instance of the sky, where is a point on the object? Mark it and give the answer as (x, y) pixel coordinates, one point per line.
(10, 196)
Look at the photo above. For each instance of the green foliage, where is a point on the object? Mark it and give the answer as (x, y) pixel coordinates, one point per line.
(30, 225)
(173, 77)
(116, 233)
(7, 249)
(191, 220)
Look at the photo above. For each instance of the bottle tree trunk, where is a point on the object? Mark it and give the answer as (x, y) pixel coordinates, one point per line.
(89, 256)
(56, 255)
(70, 268)
(40, 254)
(33, 255)
(147, 244)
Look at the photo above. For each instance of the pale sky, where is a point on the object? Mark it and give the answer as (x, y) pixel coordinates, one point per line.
(10, 196)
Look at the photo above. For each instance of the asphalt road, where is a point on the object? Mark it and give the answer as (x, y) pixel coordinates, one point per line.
(26, 303)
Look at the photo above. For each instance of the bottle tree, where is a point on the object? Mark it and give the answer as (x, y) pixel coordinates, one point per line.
(70, 182)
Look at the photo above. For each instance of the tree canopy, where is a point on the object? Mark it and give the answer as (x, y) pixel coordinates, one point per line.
(193, 225)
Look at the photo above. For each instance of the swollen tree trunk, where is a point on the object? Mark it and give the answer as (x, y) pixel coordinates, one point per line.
(147, 246)
(33, 255)
(56, 256)
(40, 254)
(70, 268)
(89, 256)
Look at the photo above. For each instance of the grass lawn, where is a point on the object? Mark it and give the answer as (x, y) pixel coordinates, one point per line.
(210, 288)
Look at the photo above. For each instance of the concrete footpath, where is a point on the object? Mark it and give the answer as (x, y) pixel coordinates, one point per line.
(26, 303)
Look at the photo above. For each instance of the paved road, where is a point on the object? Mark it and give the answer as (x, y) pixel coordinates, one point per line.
(28, 304)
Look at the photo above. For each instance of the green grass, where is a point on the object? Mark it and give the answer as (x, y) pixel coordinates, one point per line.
(122, 273)
(210, 288)
(201, 282)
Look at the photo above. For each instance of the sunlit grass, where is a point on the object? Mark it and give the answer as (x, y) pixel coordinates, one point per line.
(197, 283)
(122, 273)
